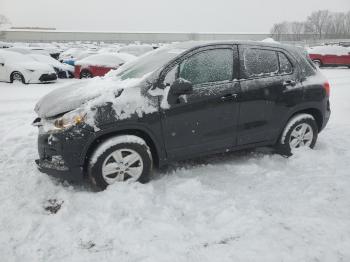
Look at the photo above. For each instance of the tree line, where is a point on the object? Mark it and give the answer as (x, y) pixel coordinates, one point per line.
(322, 24)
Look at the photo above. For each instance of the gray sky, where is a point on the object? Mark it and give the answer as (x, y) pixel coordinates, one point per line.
(163, 15)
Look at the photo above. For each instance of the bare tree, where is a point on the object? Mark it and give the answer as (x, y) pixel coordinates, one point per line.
(318, 22)
(278, 30)
(297, 28)
(4, 21)
(339, 24)
(347, 23)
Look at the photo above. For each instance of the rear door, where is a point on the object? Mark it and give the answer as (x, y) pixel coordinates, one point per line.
(206, 119)
(269, 87)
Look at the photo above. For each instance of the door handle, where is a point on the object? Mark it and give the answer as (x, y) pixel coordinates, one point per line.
(229, 97)
(289, 83)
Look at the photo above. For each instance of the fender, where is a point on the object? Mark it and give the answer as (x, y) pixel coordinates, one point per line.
(154, 135)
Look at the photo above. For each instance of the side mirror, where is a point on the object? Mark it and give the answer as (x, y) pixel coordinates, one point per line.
(181, 87)
(2, 64)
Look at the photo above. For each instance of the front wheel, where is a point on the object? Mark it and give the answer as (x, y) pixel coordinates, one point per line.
(120, 159)
(86, 74)
(17, 77)
(300, 131)
(317, 63)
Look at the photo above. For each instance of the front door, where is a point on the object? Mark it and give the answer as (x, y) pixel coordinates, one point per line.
(206, 119)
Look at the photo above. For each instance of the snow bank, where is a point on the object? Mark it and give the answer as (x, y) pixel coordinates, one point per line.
(247, 206)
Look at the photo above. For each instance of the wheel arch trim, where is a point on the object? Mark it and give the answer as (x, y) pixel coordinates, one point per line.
(157, 150)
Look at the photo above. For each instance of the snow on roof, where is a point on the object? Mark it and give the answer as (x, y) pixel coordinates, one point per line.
(270, 40)
(329, 50)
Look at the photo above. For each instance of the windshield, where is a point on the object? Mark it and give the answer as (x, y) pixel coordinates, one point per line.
(148, 62)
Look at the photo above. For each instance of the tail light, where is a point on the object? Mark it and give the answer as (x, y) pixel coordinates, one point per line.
(327, 88)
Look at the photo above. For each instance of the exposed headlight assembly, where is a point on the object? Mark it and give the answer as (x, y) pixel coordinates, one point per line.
(70, 119)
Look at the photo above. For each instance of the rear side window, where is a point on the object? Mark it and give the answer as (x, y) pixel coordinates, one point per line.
(208, 66)
(285, 65)
(259, 62)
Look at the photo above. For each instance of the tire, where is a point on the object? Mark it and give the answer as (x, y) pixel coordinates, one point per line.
(85, 74)
(110, 162)
(17, 76)
(317, 63)
(301, 130)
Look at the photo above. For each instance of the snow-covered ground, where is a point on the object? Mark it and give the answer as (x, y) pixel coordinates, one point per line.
(250, 206)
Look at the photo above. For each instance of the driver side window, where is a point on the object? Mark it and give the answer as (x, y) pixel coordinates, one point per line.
(208, 66)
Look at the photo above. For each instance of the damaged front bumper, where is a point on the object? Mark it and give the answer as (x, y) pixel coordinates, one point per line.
(60, 153)
(61, 172)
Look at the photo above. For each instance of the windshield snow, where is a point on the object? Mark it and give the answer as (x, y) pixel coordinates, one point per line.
(148, 63)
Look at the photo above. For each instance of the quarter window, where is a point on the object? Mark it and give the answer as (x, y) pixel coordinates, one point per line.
(259, 62)
(208, 66)
(285, 65)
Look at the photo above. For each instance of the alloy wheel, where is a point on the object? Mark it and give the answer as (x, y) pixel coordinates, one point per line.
(122, 165)
(302, 135)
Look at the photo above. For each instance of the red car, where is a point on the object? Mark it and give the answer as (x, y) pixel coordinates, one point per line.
(330, 55)
(100, 64)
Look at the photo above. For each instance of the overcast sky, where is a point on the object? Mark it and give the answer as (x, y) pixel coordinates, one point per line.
(163, 15)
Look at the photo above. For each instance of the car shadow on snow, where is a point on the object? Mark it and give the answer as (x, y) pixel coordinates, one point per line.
(215, 159)
(172, 168)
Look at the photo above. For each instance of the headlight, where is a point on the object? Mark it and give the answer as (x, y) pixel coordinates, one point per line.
(70, 119)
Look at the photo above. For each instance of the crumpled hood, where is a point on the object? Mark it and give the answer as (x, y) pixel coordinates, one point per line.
(73, 96)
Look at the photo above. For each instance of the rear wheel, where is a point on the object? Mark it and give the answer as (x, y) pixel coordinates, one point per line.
(120, 159)
(300, 131)
(17, 77)
(86, 74)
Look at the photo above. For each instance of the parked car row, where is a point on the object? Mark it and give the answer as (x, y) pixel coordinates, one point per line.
(35, 65)
(65, 60)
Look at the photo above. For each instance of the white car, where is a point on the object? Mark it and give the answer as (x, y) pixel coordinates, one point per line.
(62, 70)
(23, 68)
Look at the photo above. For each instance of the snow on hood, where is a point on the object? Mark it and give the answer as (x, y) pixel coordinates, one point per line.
(90, 92)
(107, 60)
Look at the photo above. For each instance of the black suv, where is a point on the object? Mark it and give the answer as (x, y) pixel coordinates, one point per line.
(181, 101)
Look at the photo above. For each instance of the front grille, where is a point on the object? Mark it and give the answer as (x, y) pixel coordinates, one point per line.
(48, 77)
